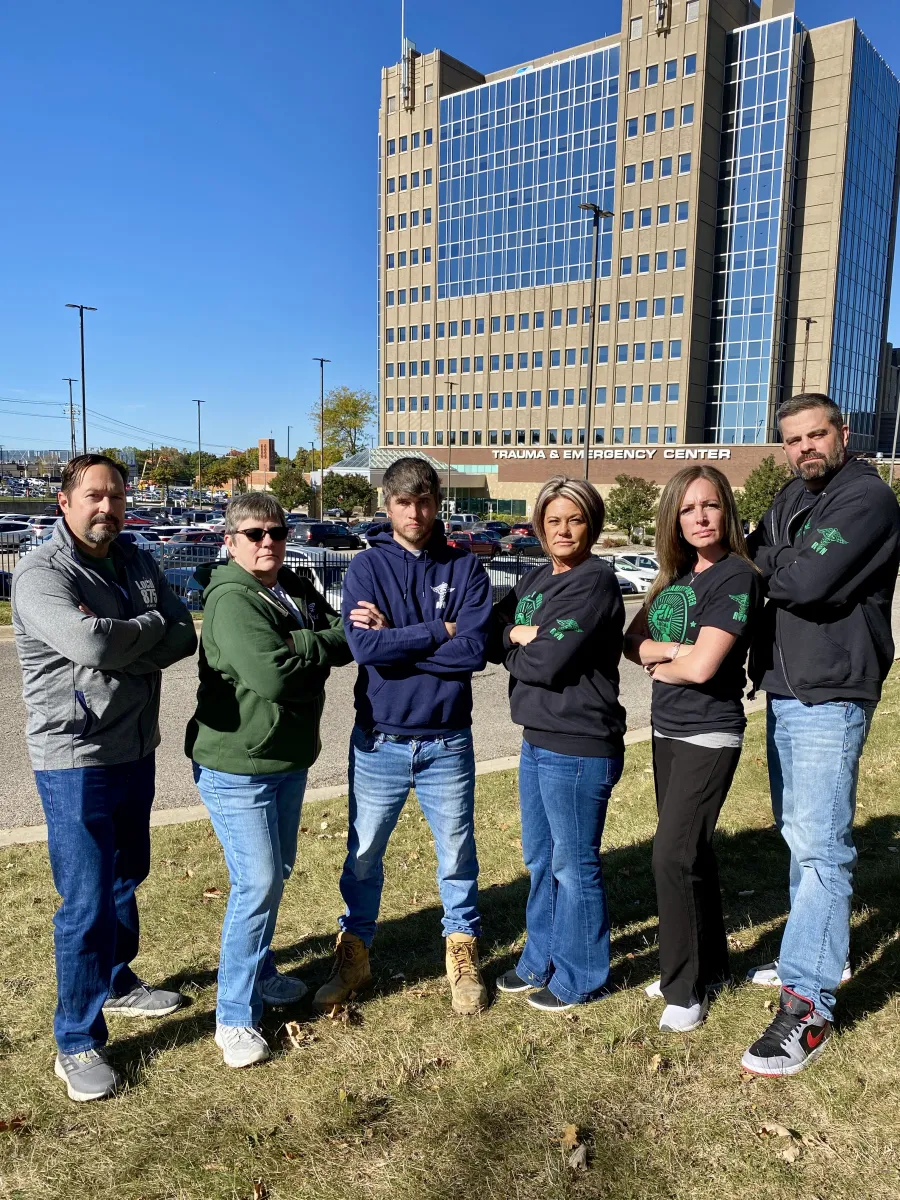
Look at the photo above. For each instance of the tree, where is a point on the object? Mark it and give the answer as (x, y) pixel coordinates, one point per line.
(218, 473)
(632, 502)
(348, 415)
(884, 470)
(241, 467)
(289, 487)
(346, 492)
(760, 487)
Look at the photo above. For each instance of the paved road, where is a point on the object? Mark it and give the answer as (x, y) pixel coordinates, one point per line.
(495, 734)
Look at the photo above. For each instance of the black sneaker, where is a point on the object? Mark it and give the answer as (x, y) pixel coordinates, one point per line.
(793, 1040)
(547, 1002)
(510, 981)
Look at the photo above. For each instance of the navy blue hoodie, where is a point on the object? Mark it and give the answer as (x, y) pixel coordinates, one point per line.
(413, 678)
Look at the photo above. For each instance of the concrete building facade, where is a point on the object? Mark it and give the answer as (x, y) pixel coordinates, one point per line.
(751, 169)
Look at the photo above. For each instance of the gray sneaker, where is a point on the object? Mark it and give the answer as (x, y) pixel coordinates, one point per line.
(241, 1045)
(87, 1075)
(277, 990)
(145, 1001)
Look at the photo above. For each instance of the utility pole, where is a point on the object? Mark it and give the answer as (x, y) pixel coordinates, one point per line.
(312, 465)
(596, 212)
(449, 444)
(289, 444)
(69, 381)
(809, 321)
(199, 469)
(82, 308)
(322, 362)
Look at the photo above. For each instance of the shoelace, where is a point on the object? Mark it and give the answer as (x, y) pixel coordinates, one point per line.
(89, 1056)
(463, 962)
(345, 956)
(783, 1025)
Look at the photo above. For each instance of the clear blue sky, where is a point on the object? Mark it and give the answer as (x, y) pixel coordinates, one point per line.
(204, 173)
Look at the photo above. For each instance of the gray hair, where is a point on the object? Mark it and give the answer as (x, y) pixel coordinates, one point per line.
(411, 477)
(807, 400)
(582, 494)
(259, 505)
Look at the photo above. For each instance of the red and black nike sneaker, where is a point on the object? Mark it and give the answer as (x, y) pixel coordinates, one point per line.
(794, 1039)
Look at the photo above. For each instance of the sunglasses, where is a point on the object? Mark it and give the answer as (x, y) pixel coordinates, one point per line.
(278, 533)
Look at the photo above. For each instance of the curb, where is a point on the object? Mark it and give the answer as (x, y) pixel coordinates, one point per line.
(25, 834)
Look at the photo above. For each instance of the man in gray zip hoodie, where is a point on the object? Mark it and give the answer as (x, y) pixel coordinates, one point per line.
(95, 624)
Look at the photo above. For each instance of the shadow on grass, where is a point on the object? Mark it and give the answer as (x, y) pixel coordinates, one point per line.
(753, 860)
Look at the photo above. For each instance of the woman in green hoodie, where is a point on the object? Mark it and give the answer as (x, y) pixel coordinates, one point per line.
(269, 641)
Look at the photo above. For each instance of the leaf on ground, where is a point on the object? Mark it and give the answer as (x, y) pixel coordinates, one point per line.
(748, 1077)
(769, 1005)
(298, 1035)
(517, 842)
(570, 1139)
(304, 829)
(188, 873)
(323, 824)
(14, 1124)
(791, 1154)
(658, 1063)
(212, 893)
(213, 1166)
(815, 1141)
(260, 1191)
(578, 1159)
(774, 1129)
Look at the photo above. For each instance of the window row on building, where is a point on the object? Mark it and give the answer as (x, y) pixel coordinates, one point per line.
(660, 262)
(652, 122)
(535, 360)
(653, 393)
(400, 221)
(663, 216)
(402, 183)
(403, 258)
(667, 73)
(648, 169)
(637, 435)
(411, 142)
(636, 24)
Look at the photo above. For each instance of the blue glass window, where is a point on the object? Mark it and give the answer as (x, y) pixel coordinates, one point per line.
(663, 214)
(647, 171)
(508, 362)
(622, 353)
(629, 177)
(684, 164)
(539, 320)
(479, 325)
(655, 393)
(690, 64)
(672, 390)
(675, 349)
(618, 435)
(495, 362)
(671, 70)
(554, 358)
(656, 351)
(523, 320)
(640, 351)
(631, 127)
(668, 118)
(626, 266)
(665, 167)
(600, 395)
(652, 76)
(644, 264)
(523, 360)
(569, 396)
(649, 122)
(556, 317)
(634, 435)
(620, 394)
(677, 306)
(602, 354)
(659, 306)
(640, 310)
(646, 218)
(652, 435)
(570, 356)
(391, 146)
(681, 210)
(679, 260)
(662, 260)
(687, 114)
(671, 434)
(625, 310)
(538, 359)
(553, 397)
(495, 324)
(628, 220)
(634, 82)
(535, 399)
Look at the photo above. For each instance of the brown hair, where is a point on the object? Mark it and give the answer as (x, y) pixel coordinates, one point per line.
(410, 477)
(582, 494)
(807, 400)
(676, 556)
(73, 471)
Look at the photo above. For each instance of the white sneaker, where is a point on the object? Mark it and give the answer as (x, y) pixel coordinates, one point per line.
(767, 974)
(654, 990)
(277, 990)
(682, 1020)
(241, 1045)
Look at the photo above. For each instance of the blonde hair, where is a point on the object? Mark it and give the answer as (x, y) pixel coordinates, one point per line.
(582, 494)
(676, 556)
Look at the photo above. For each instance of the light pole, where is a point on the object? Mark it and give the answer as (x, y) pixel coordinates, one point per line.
(809, 321)
(322, 362)
(449, 443)
(596, 212)
(199, 468)
(312, 467)
(289, 444)
(82, 308)
(69, 381)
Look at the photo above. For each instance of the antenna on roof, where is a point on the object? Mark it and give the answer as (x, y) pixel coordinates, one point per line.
(407, 50)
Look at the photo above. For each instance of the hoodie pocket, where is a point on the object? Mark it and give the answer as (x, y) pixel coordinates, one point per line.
(823, 661)
(88, 717)
(259, 751)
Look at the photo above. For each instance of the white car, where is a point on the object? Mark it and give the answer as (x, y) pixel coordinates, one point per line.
(15, 533)
(643, 561)
(165, 532)
(640, 577)
(40, 525)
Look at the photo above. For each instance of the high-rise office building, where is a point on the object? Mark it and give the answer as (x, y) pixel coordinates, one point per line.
(750, 166)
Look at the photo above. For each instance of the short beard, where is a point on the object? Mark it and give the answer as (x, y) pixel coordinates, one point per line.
(816, 468)
(102, 535)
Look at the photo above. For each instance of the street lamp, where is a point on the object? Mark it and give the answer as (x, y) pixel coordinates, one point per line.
(809, 321)
(82, 308)
(597, 212)
(449, 443)
(199, 468)
(69, 381)
(322, 362)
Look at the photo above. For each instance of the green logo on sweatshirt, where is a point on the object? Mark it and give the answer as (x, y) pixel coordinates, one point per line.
(829, 537)
(668, 615)
(563, 626)
(743, 603)
(527, 607)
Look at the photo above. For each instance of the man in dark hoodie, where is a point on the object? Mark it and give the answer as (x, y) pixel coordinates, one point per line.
(416, 613)
(828, 549)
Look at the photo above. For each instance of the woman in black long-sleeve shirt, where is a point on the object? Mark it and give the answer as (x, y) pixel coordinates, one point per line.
(559, 634)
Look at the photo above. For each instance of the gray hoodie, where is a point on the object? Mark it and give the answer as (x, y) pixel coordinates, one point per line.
(92, 684)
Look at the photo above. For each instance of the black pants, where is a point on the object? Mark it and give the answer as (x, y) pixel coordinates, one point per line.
(691, 785)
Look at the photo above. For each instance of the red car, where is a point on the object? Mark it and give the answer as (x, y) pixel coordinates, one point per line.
(475, 543)
(523, 528)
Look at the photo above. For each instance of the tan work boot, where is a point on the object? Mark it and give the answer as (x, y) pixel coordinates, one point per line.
(350, 973)
(469, 995)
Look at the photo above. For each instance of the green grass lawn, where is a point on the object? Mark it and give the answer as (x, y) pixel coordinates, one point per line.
(5, 613)
(405, 1101)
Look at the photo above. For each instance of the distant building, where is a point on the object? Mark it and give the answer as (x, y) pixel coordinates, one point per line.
(889, 399)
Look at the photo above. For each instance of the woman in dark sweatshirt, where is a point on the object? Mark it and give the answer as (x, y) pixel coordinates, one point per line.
(559, 634)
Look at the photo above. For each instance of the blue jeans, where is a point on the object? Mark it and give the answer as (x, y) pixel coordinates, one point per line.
(563, 799)
(256, 818)
(813, 753)
(381, 773)
(98, 834)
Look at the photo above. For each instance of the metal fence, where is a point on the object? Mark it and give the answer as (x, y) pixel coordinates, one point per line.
(325, 569)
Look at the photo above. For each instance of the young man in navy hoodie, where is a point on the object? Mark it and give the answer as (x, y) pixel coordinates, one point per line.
(828, 550)
(416, 614)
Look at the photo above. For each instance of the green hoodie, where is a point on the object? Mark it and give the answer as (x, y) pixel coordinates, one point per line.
(259, 702)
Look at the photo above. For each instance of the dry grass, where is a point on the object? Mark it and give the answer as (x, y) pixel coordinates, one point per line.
(5, 613)
(408, 1103)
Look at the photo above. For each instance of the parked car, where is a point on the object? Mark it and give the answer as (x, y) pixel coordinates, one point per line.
(183, 583)
(522, 527)
(501, 528)
(137, 537)
(334, 535)
(165, 532)
(520, 543)
(39, 524)
(323, 568)
(5, 585)
(475, 543)
(644, 562)
(363, 528)
(642, 579)
(14, 533)
(191, 547)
